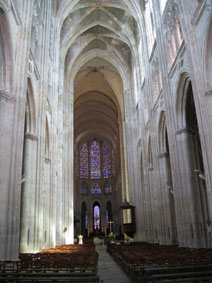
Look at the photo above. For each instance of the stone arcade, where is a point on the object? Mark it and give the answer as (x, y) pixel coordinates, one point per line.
(102, 101)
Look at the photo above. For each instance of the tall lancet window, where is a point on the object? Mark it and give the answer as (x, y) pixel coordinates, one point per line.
(113, 162)
(95, 160)
(106, 161)
(96, 217)
(84, 161)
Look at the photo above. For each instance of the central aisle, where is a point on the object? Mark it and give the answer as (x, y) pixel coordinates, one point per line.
(108, 270)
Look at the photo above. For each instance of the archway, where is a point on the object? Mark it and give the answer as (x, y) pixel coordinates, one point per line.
(193, 196)
(201, 198)
(96, 67)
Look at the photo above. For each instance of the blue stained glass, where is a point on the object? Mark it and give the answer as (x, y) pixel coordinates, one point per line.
(96, 189)
(86, 220)
(106, 161)
(95, 160)
(84, 161)
(113, 162)
(107, 219)
(96, 217)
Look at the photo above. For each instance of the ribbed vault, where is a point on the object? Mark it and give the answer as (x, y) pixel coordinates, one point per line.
(97, 40)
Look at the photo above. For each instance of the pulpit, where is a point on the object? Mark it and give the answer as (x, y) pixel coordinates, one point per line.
(129, 224)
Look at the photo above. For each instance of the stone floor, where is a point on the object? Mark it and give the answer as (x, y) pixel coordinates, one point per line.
(108, 270)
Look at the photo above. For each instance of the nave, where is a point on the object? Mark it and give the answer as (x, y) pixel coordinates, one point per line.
(111, 261)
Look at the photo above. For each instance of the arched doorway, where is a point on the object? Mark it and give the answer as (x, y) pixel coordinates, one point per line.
(200, 198)
(96, 219)
(192, 193)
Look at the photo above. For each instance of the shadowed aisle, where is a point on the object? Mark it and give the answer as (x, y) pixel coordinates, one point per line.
(108, 270)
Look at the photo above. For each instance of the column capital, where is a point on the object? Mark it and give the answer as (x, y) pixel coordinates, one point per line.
(164, 154)
(185, 131)
(4, 95)
(208, 92)
(47, 160)
(31, 137)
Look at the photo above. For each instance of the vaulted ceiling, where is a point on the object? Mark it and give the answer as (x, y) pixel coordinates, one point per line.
(97, 43)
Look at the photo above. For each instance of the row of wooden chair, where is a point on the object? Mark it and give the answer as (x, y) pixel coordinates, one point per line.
(67, 263)
(145, 262)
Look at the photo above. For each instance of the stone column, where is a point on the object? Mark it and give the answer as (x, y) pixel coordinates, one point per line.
(68, 166)
(47, 195)
(12, 109)
(28, 195)
(199, 57)
(177, 36)
(7, 106)
(167, 198)
(59, 192)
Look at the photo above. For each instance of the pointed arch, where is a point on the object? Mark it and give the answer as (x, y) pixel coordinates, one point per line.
(149, 157)
(162, 130)
(30, 108)
(182, 90)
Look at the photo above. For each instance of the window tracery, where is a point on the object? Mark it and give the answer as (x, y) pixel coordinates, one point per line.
(84, 161)
(113, 162)
(95, 160)
(106, 161)
(96, 189)
(97, 164)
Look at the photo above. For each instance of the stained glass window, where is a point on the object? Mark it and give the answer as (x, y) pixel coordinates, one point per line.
(108, 188)
(77, 164)
(84, 188)
(84, 161)
(96, 217)
(96, 189)
(106, 161)
(113, 162)
(107, 219)
(95, 160)
(86, 220)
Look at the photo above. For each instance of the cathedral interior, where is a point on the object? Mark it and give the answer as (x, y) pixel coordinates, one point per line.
(106, 122)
